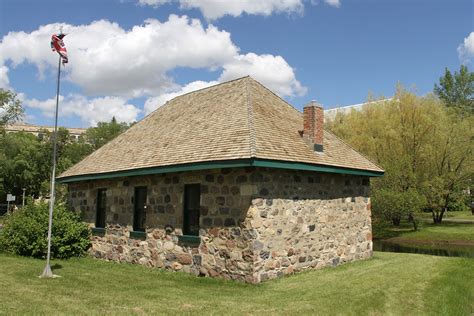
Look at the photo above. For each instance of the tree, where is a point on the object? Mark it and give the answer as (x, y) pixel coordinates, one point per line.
(25, 160)
(393, 206)
(422, 145)
(69, 153)
(10, 108)
(20, 156)
(451, 168)
(457, 91)
(104, 132)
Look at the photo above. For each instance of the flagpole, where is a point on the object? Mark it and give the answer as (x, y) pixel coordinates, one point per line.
(47, 273)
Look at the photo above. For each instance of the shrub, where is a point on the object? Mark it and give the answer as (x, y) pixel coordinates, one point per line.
(25, 232)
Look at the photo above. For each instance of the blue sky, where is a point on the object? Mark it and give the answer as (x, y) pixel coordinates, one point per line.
(128, 57)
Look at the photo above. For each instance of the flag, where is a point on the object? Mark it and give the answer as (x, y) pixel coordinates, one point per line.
(57, 45)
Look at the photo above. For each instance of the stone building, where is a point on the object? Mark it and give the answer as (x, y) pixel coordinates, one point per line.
(228, 181)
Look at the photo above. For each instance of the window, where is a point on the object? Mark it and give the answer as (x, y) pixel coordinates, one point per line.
(139, 214)
(192, 202)
(100, 212)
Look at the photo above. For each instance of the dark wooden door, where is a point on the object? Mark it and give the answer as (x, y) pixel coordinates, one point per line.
(139, 213)
(192, 203)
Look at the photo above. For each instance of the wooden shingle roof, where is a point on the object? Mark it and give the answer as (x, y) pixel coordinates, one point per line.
(235, 120)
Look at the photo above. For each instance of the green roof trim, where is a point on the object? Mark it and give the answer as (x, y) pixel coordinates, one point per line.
(311, 167)
(236, 163)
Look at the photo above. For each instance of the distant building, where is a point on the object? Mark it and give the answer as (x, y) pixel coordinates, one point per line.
(38, 130)
(330, 114)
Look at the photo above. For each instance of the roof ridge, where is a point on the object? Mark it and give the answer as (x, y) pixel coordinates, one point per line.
(252, 142)
(352, 148)
(198, 90)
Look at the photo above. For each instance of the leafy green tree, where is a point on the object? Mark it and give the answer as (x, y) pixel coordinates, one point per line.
(421, 144)
(104, 132)
(25, 160)
(69, 153)
(10, 108)
(457, 90)
(450, 171)
(20, 155)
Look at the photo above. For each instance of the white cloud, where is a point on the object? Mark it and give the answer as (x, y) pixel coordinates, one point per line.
(154, 3)
(214, 9)
(4, 82)
(90, 111)
(272, 71)
(108, 60)
(333, 3)
(466, 49)
(155, 102)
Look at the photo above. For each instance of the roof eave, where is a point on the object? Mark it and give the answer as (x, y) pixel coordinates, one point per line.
(236, 163)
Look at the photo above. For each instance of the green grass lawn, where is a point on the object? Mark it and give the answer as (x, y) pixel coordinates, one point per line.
(394, 284)
(456, 215)
(443, 232)
(446, 231)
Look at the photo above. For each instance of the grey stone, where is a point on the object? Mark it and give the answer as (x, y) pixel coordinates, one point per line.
(220, 200)
(224, 210)
(197, 260)
(229, 222)
(257, 245)
(207, 222)
(209, 178)
(234, 190)
(241, 179)
(264, 255)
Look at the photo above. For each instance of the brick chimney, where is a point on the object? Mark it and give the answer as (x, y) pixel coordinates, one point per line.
(313, 124)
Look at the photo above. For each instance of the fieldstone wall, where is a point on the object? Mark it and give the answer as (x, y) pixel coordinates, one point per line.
(256, 223)
(225, 200)
(309, 220)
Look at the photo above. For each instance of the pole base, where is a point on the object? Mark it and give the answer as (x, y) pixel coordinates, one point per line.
(47, 273)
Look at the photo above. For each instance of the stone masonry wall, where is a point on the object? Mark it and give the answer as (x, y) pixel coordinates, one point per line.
(225, 199)
(309, 220)
(256, 223)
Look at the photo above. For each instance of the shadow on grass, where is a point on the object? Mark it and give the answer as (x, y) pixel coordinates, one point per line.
(385, 230)
(56, 266)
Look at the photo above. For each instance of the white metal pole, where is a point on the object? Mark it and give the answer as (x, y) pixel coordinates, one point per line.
(47, 273)
(23, 201)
